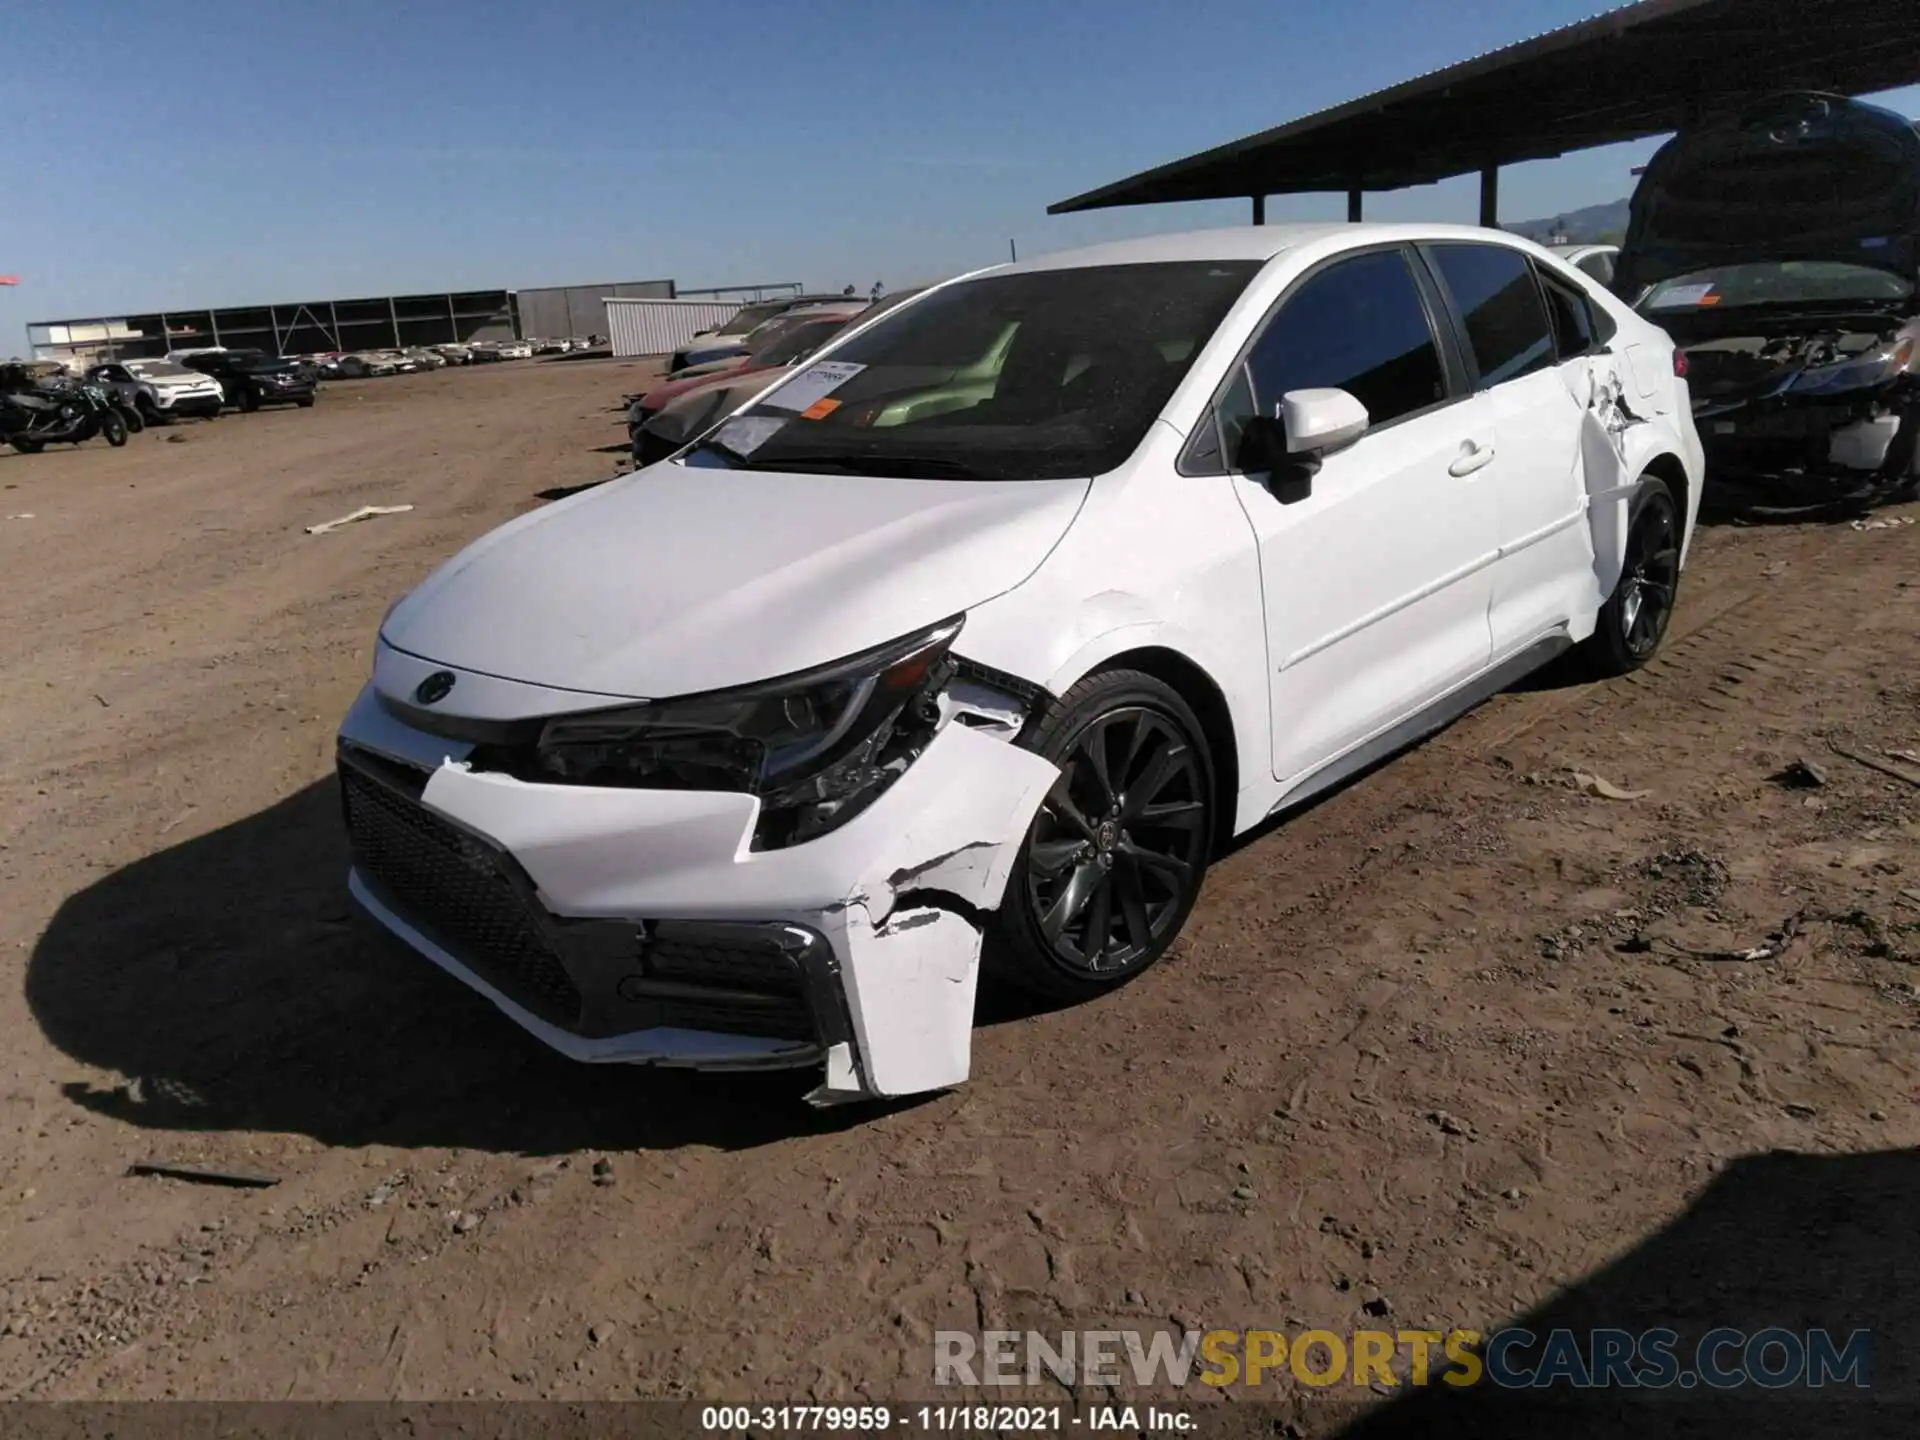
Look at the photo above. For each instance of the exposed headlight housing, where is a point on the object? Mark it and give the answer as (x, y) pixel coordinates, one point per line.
(1857, 372)
(817, 748)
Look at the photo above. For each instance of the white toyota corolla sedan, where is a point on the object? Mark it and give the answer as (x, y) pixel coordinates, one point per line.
(988, 627)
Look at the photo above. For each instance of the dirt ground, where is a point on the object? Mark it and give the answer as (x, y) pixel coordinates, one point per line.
(1464, 1042)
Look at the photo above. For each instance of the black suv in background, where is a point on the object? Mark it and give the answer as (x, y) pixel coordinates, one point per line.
(253, 378)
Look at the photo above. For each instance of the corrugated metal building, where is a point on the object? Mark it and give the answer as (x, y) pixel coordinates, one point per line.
(659, 327)
(379, 322)
(566, 312)
(383, 322)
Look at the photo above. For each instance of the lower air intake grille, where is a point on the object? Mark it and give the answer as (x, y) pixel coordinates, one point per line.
(458, 890)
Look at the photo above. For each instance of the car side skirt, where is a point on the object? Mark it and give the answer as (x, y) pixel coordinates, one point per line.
(1433, 718)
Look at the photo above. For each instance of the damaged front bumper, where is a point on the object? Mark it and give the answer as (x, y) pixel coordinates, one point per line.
(639, 926)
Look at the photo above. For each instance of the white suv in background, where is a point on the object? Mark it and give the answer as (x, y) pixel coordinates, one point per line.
(991, 623)
(160, 389)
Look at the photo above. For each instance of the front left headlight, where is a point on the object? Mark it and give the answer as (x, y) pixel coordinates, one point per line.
(1858, 372)
(816, 748)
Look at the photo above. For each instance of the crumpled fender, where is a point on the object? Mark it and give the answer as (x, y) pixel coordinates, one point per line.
(1618, 440)
(910, 933)
(900, 891)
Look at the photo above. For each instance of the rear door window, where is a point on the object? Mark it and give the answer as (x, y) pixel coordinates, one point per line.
(1572, 314)
(1494, 294)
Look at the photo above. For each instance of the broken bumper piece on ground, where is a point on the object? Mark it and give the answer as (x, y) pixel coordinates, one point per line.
(640, 927)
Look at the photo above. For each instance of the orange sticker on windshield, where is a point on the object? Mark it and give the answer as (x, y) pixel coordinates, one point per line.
(1709, 299)
(820, 409)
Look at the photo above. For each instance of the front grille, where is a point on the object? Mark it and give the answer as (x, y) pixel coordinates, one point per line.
(459, 891)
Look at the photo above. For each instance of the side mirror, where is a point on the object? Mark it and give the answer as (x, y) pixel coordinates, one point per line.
(1287, 447)
(1317, 421)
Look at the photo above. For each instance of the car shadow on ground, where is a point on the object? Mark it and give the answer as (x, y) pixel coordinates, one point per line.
(561, 492)
(235, 981)
(1794, 501)
(1797, 1241)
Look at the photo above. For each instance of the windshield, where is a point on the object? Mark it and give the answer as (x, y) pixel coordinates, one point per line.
(747, 317)
(1787, 282)
(160, 370)
(1041, 376)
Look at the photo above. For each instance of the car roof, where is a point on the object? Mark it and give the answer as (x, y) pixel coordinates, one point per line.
(1246, 242)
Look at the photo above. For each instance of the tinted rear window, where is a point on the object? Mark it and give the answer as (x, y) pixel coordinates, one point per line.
(1495, 295)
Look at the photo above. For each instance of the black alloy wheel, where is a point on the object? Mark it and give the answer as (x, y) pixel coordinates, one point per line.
(1114, 857)
(1634, 620)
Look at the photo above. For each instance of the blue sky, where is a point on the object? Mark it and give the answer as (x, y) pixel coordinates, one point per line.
(186, 154)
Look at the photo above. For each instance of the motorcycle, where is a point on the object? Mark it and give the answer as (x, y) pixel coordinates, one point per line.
(33, 417)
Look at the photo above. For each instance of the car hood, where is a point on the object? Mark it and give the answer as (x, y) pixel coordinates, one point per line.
(176, 382)
(708, 404)
(662, 396)
(1799, 177)
(676, 580)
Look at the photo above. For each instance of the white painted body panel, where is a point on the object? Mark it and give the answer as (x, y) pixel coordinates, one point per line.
(1412, 569)
(675, 580)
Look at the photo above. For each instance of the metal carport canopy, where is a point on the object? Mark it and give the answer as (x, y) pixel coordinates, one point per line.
(1643, 69)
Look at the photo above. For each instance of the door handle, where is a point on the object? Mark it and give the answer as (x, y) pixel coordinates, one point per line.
(1470, 459)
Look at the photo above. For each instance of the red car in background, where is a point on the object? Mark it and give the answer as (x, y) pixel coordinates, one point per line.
(793, 342)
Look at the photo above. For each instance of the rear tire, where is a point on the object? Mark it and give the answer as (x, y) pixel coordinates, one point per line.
(1634, 620)
(1112, 862)
(305, 403)
(26, 446)
(249, 402)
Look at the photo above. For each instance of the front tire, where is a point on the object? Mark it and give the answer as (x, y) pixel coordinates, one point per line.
(114, 428)
(1113, 860)
(305, 402)
(249, 402)
(1634, 620)
(136, 422)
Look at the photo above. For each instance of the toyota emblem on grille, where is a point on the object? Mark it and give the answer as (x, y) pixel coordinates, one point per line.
(435, 688)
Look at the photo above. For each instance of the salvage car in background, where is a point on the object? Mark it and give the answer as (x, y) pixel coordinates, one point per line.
(363, 363)
(790, 344)
(1595, 260)
(1780, 248)
(159, 390)
(735, 761)
(671, 415)
(743, 322)
(252, 379)
(713, 359)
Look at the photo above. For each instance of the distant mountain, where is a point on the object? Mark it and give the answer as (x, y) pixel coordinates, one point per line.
(1591, 225)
